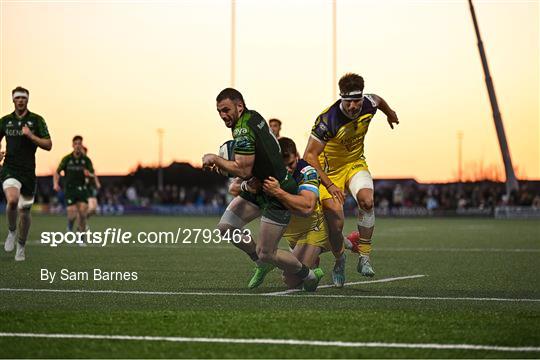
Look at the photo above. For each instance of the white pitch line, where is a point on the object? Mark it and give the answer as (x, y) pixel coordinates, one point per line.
(462, 250)
(227, 247)
(397, 297)
(279, 342)
(350, 283)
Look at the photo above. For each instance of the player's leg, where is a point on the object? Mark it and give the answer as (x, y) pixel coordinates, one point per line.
(71, 211)
(270, 233)
(239, 213)
(306, 254)
(335, 219)
(361, 184)
(92, 207)
(82, 210)
(12, 188)
(25, 220)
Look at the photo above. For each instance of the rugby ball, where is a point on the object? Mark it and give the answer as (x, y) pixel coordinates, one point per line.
(226, 151)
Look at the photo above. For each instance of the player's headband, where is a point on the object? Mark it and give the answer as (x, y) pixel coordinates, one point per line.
(353, 95)
(17, 94)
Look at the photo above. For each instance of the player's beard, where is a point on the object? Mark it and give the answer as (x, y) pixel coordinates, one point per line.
(230, 122)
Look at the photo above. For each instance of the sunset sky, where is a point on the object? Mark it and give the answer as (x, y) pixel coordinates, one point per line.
(116, 71)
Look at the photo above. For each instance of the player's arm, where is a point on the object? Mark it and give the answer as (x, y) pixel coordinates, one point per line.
(234, 187)
(98, 183)
(89, 169)
(244, 156)
(56, 174)
(302, 204)
(56, 181)
(241, 166)
(41, 138)
(391, 115)
(2, 134)
(313, 149)
(238, 185)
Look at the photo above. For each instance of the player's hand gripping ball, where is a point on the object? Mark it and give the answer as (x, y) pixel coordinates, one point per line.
(226, 151)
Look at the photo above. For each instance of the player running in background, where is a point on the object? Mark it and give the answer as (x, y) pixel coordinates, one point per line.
(24, 132)
(336, 150)
(93, 185)
(76, 167)
(257, 155)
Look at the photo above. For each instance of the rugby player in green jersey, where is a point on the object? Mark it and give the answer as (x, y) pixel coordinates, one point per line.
(76, 167)
(258, 156)
(93, 185)
(24, 132)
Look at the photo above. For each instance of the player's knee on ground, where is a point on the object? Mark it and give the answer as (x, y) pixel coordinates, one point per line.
(292, 281)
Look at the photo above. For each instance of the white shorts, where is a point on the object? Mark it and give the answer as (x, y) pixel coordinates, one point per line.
(25, 202)
(360, 180)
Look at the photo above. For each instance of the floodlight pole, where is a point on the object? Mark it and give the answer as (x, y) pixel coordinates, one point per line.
(160, 158)
(334, 49)
(460, 157)
(233, 43)
(511, 181)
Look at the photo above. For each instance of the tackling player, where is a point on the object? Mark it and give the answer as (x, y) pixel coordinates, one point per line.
(307, 233)
(257, 155)
(336, 150)
(25, 132)
(76, 167)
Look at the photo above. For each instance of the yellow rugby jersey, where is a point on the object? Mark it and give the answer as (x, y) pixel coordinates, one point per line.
(307, 179)
(344, 137)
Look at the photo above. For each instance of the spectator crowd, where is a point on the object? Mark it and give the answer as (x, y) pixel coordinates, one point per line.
(389, 194)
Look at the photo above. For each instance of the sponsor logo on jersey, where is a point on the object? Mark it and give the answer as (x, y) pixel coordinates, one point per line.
(240, 131)
(14, 132)
(261, 125)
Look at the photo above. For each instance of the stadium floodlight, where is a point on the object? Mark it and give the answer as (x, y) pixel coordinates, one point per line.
(511, 181)
(233, 43)
(160, 158)
(334, 49)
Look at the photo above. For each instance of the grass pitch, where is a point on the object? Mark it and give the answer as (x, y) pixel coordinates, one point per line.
(480, 286)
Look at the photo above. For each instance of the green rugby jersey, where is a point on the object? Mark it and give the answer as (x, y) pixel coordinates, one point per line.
(253, 137)
(20, 150)
(74, 169)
